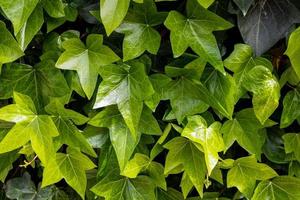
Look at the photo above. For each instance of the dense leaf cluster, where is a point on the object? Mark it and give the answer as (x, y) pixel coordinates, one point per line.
(146, 100)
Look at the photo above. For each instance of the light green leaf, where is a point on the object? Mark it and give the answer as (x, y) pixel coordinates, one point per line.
(140, 36)
(120, 136)
(142, 163)
(18, 11)
(39, 82)
(292, 144)
(266, 91)
(39, 129)
(114, 187)
(245, 172)
(86, 60)
(240, 55)
(246, 130)
(208, 137)
(195, 31)
(54, 8)
(31, 27)
(185, 154)
(205, 3)
(293, 50)
(137, 164)
(10, 49)
(291, 108)
(69, 133)
(112, 14)
(282, 187)
(72, 166)
(126, 85)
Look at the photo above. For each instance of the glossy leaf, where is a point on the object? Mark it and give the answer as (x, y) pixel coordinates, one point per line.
(292, 144)
(72, 167)
(17, 14)
(195, 31)
(246, 130)
(185, 154)
(282, 187)
(208, 137)
(266, 91)
(126, 85)
(39, 129)
(86, 60)
(10, 50)
(291, 107)
(112, 14)
(245, 172)
(113, 186)
(39, 82)
(293, 50)
(138, 28)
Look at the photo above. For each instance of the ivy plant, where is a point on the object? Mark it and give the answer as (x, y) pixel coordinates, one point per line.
(149, 99)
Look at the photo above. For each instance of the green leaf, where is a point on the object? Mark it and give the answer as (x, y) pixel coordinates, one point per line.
(208, 137)
(54, 8)
(159, 82)
(139, 32)
(170, 194)
(185, 154)
(69, 134)
(246, 130)
(126, 85)
(291, 108)
(282, 187)
(222, 87)
(6, 161)
(112, 14)
(266, 91)
(10, 49)
(31, 27)
(30, 126)
(245, 172)
(293, 50)
(148, 123)
(86, 60)
(292, 144)
(18, 11)
(240, 55)
(72, 167)
(195, 31)
(39, 82)
(184, 96)
(142, 163)
(205, 3)
(120, 136)
(113, 187)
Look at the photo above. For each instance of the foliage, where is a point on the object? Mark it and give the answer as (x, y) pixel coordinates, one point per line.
(149, 99)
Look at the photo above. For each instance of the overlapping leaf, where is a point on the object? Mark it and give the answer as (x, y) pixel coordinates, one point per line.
(30, 126)
(195, 31)
(127, 85)
(86, 60)
(139, 32)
